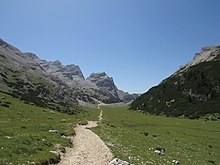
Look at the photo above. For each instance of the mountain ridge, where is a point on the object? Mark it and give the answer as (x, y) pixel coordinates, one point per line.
(192, 91)
(24, 73)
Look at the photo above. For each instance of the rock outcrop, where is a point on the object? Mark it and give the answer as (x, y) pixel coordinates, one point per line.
(208, 53)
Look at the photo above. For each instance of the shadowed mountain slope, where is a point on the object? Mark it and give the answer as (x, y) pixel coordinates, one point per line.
(192, 91)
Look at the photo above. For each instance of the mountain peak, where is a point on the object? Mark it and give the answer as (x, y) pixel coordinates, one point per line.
(98, 74)
(56, 63)
(31, 55)
(208, 48)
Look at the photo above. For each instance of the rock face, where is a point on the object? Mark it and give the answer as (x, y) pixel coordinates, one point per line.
(71, 74)
(103, 82)
(102, 86)
(192, 91)
(25, 74)
(208, 53)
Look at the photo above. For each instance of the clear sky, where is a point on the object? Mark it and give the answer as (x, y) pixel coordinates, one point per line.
(137, 42)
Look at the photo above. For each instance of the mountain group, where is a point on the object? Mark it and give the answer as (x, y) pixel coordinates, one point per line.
(192, 91)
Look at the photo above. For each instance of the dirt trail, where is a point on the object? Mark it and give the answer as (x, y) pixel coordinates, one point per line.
(100, 116)
(88, 148)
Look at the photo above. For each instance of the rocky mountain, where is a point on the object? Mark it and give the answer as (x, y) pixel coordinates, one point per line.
(101, 86)
(22, 77)
(44, 83)
(192, 91)
(104, 82)
(70, 74)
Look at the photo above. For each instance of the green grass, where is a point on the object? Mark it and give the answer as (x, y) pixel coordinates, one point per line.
(133, 136)
(24, 131)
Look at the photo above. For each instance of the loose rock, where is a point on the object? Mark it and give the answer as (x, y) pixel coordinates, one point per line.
(117, 161)
(8, 137)
(175, 162)
(55, 152)
(53, 131)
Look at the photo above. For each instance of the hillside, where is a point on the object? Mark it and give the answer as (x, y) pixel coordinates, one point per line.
(26, 76)
(192, 91)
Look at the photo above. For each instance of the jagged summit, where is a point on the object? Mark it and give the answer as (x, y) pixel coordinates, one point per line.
(102, 81)
(56, 63)
(31, 55)
(98, 74)
(208, 48)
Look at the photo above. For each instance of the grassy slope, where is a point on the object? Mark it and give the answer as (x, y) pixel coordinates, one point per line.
(189, 141)
(28, 128)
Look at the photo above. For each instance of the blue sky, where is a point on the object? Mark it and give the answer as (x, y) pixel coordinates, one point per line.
(137, 42)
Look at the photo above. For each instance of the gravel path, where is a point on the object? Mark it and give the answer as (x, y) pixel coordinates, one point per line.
(88, 148)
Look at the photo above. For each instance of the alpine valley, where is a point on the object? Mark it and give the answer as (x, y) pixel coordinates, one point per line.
(40, 105)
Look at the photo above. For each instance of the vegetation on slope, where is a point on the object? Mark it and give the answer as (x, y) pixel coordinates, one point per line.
(36, 90)
(24, 131)
(134, 137)
(193, 93)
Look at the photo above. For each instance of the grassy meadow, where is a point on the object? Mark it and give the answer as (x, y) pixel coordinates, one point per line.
(24, 131)
(134, 137)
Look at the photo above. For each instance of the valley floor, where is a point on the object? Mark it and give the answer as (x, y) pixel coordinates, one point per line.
(137, 138)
